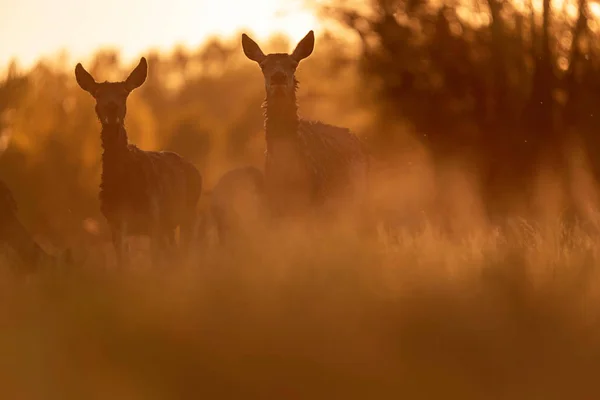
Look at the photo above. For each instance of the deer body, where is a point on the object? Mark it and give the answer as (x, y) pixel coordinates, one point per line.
(142, 188)
(142, 192)
(308, 163)
(314, 165)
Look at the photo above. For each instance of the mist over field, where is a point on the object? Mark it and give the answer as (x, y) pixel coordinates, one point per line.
(479, 280)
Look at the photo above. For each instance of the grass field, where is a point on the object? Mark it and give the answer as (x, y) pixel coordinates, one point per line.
(509, 314)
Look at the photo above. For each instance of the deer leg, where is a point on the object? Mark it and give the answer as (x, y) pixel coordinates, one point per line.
(155, 233)
(203, 230)
(186, 234)
(158, 242)
(220, 224)
(169, 244)
(118, 239)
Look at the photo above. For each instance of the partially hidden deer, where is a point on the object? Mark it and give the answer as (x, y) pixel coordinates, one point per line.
(308, 163)
(14, 234)
(237, 204)
(141, 192)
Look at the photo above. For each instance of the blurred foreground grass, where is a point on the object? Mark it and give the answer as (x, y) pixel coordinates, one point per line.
(495, 315)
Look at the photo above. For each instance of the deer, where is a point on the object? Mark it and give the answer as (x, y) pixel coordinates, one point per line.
(149, 193)
(236, 204)
(309, 164)
(14, 234)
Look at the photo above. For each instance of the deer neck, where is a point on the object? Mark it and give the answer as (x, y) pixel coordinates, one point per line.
(281, 118)
(114, 159)
(114, 144)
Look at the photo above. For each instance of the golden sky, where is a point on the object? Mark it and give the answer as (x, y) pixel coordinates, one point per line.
(31, 29)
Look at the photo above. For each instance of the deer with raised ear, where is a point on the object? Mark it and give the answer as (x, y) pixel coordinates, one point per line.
(14, 234)
(308, 163)
(142, 192)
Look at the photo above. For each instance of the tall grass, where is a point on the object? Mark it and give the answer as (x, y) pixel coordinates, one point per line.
(509, 314)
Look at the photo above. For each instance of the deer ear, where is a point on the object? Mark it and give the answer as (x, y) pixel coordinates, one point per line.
(251, 49)
(305, 47)
(137, 76)
(84, 79)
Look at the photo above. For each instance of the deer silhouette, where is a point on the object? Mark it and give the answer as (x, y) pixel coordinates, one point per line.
(16, 236)
(237, 203)
(308, 163)
(142, 192)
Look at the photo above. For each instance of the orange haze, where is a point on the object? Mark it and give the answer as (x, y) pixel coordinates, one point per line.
(36, 28)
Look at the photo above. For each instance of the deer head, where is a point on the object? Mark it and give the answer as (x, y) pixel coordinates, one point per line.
(279, 68)
(111, 97)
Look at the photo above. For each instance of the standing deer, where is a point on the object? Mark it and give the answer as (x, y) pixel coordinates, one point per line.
(308, 163)
(17, 237)
(142, 192)
(237, 203)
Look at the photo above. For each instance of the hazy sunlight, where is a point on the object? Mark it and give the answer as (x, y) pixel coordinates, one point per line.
(38, 28)
(407, 206)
